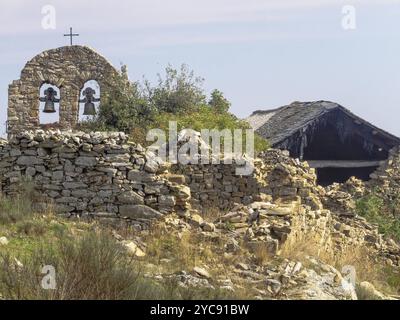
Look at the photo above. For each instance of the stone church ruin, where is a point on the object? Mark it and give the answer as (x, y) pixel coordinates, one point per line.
(64, 72)
(105, 174)
(109, 177)
(334, 141)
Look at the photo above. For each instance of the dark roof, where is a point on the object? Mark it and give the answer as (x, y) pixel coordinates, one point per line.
(277, 125)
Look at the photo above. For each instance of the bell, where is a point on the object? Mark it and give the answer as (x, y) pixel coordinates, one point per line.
(49, 107)
(89, 109)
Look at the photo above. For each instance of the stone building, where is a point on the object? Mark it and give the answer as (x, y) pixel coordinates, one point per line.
(67, 69)
(334, 141)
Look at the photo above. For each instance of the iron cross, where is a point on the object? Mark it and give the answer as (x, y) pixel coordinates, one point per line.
(71, 35)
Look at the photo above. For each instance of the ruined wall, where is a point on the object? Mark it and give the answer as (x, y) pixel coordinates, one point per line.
(99, 174)
(68, 68)
(276, 176)
(218, 185)
(103, 173)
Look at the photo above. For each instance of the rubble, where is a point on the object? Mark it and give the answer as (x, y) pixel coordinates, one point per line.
(105, 176)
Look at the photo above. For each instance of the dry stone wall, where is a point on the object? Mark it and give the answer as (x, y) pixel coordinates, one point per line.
(219, 186)
(105, 176)
(97, 174)
(276, 177)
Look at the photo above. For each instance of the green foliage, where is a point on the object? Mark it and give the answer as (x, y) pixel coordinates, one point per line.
(218, 102)
(373, 208)
(122, 109)
(392, 276)
(370, 206)
(208, 118)
(179, 91)
(178, 96)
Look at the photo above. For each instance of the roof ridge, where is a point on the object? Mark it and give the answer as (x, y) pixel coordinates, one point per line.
(288, 119)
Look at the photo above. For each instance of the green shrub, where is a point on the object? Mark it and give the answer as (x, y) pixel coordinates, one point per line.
(178, 91)
(218, 102)
(374, 209)
(122, 109)
(178, 96)
(208, 118)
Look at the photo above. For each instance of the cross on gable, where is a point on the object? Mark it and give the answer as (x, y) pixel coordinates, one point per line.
(71, 35)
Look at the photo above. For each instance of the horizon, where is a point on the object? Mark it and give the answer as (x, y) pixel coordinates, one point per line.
(260, 55)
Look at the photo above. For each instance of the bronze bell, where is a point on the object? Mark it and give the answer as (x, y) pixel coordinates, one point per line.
(89, 109)
(49, 99)
(49, 107)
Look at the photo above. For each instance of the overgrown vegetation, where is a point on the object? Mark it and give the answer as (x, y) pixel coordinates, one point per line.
(92, 266)
(177, 96)
(89, 263)
(375, 209)
(207, 117)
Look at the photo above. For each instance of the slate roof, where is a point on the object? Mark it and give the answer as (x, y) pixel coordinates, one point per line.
(277, 125)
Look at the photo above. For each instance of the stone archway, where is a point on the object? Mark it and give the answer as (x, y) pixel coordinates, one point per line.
(68, 68)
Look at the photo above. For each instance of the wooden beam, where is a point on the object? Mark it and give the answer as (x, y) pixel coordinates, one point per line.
(343, 163)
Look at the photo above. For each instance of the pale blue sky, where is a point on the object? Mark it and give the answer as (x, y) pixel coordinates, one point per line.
(261, 53)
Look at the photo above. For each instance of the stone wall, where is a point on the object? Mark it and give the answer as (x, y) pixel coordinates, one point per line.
(100, 173)
(218, 185)
(103, 175)
(68, 68)
(276, 177)
(89, 174)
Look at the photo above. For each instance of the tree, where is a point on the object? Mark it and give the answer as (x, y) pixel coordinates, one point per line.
(218, 102)
(180, 91)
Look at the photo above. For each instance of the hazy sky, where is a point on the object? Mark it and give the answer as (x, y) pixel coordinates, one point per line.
(261, 53)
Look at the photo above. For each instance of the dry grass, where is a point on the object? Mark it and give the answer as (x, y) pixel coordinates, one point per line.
(367, 266)
(300, 248)
(92, 266)
(24, 205)
(187, 249)
(212, 214)
(261, 255)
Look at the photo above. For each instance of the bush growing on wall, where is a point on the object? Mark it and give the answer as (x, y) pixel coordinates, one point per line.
(207, 117)
(122, 109)
(178, 96)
